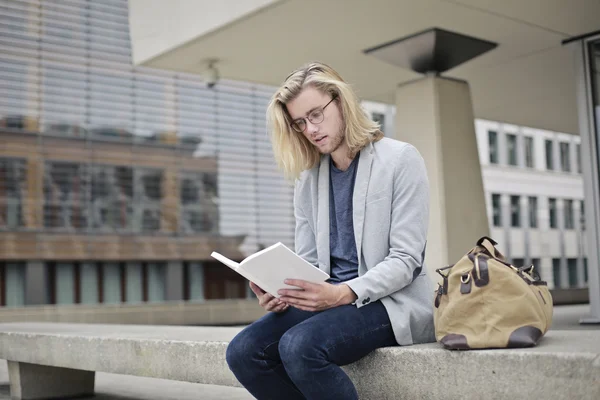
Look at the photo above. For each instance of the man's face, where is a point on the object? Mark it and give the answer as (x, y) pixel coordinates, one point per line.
(326, 135)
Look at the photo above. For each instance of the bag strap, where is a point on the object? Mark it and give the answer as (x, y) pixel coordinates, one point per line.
(489, 245)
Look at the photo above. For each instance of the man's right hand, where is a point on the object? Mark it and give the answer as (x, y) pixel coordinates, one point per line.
(267, 301)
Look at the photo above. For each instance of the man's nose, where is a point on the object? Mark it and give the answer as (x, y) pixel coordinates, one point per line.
(311, 129)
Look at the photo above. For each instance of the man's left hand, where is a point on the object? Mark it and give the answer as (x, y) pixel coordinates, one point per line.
(316, 296)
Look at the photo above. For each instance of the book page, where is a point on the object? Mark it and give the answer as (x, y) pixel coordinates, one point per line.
(277, 263)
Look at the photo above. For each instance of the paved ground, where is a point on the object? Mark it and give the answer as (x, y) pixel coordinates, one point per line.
(123, 387)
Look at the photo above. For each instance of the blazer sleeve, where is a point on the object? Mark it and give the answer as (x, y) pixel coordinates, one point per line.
(408, 232)
(305, 235)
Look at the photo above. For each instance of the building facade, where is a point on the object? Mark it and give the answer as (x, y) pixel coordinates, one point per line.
(116, 182)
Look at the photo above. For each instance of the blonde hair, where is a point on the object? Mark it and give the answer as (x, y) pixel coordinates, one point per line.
(293, 152)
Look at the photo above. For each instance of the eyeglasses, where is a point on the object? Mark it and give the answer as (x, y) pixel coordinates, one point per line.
(316, 116)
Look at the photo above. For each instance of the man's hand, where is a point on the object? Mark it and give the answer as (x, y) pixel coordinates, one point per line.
(316, 296)
(267, 301)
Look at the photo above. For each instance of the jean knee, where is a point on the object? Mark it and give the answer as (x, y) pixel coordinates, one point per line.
(297, 348)
(238, 352)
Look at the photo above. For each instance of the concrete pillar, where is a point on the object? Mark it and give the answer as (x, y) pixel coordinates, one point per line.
(174, 281)
(32, 381)
(36, 283)
(436, 116)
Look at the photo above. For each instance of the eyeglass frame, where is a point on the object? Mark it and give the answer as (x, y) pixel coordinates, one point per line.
(321, 109)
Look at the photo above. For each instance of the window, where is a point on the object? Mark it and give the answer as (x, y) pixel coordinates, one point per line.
(556, 272)
(565, 157)
(549, 155)
(582, 214)
(518, 262)
(496, 210)
(12, 284)
(511, 149)
(552, 213)
(585, 270)
(529, 161)
(568, 209)
(533, 221)
(493, 145)
(536, 266)
(515, 211)
(578, 155)
(380, 119)
(12, 192)
(572, 269)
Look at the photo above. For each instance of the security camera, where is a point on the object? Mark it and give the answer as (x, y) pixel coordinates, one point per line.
(211, 75)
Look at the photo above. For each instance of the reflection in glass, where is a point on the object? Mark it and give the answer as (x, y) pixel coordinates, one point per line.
(12, 187)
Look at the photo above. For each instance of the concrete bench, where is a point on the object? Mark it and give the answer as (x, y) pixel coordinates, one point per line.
(59, 360)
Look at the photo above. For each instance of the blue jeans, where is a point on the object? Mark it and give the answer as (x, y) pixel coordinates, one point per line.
(297, 354)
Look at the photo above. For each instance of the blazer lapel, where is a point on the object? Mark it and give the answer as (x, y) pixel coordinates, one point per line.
(323, 216)
(360, 195)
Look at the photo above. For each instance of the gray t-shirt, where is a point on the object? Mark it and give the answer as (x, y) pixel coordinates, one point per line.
(344, 258)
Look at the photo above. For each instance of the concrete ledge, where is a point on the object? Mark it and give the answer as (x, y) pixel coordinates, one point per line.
(209, 312)
(566, 364)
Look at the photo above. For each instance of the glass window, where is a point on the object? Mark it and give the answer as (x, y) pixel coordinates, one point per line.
(511, 149)
(199, 203)
(134, 293)
(12, 192)
(496, 210)
(582, 214)
(515, 211)
(196, 281)
(380, 119)
(549, 155)
(529, 161)
(578, 155)
(572, 267)
(88, 278)
(66, 203)
(565, 157)
(112, 198)
(518, 262)
(156, 282)
(493, 146)
(533, 219)
(552, 213)
(147, 198)
(111, 283)
(568, 209)
(65, 283)
(556, 273)
(537, 266)
(585, 270)
(14, 281)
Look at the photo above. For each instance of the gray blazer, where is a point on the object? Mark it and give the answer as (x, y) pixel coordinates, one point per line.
(390, 216)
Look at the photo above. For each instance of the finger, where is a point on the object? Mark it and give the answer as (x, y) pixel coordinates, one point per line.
(300, 293)
(264, 299)
(257, 290)
(281, 307)
(272, 304)
(299, 302)
(300, 283)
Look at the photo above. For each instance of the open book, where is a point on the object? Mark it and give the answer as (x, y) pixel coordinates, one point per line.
(268, 268)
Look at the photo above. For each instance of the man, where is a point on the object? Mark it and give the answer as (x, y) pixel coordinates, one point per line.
(361, 205)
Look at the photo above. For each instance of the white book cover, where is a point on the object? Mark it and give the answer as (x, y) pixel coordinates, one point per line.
(268, 268)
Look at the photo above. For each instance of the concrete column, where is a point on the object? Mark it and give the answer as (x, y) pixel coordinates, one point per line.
(32, 381)
(436, 116)
(36, 283)
(174, 281)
